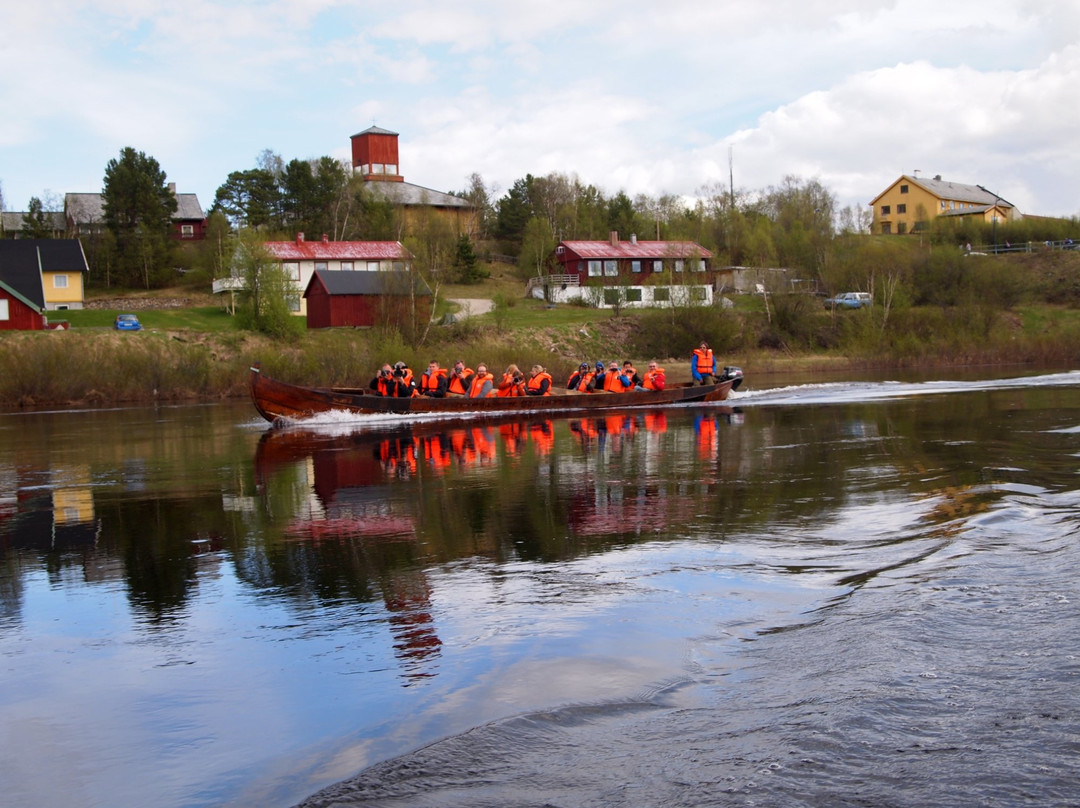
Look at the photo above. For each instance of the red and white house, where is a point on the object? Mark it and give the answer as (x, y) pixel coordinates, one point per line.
(628, 272)
(301, 259)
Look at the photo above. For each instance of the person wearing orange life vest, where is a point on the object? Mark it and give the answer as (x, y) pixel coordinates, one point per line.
(433, 381)
(458, 382)
(630, 373)
(581, 379)
(390, 382)
(512, 384)
(654, 378)
(614, 381)
(703, 364)
(481, 383)
(539, 383)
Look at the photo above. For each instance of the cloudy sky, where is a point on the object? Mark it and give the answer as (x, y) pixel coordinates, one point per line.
(645, 97)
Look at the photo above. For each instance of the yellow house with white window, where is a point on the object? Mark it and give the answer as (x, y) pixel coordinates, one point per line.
(911, 203)
(63, 271)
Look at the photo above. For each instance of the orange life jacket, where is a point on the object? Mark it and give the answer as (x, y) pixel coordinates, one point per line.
(508, 387)
(457, 384)
(534, 382)
(654, 379)
(477, 384)
(612, 382)
(583, 382)
(704, 360)
(430, 381)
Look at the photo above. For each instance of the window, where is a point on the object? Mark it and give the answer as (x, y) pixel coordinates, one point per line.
(903, 189)
(391, 168)
(635, 266)
(901, 208)
(346, 266)
(886, 228)
(292, 269)
(885, 210)
(611, 269)
(901, 227)
(372, 266)
(679, 264)
(399, 266)
(60, 281)
(697, 293)
(294, 302)
(657, 266)
(612, 297)
(187, 231)
(700, 266)
(4, 313)
(594, 269)
(661, 294)
(320, 266)
(633, 295)
(378, 168)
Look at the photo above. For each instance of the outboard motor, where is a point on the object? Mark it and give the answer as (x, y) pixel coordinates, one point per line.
(732, 373)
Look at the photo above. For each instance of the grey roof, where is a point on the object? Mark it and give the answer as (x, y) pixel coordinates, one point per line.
(405, 193)
(12, 221)
(345, 282)
(90, 208)
(958, 191)
(375, 130)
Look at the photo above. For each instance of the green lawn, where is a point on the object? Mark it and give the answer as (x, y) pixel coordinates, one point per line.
(203, 318)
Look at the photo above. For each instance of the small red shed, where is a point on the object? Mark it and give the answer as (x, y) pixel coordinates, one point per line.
(350, 299)
(19, 313)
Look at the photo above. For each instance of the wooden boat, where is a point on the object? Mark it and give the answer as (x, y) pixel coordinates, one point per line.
(279, 400)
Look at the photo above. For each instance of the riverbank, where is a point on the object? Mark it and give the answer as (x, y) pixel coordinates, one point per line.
(98, 366)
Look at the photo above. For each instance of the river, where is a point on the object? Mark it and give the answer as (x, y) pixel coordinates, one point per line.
(821, 594)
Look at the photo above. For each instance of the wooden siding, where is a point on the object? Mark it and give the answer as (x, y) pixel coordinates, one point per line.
(20, 316)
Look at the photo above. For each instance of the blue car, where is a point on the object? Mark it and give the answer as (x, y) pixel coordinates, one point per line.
(127, 322)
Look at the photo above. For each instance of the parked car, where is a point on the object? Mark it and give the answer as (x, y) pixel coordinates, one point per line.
(849, 300)
(127, 322)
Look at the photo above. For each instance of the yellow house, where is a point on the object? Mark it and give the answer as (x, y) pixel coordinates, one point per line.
(59, 263)
(911, 203)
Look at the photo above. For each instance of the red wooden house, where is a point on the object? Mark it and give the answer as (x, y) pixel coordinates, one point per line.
(351, 299)
(640, 273)
(18, 312)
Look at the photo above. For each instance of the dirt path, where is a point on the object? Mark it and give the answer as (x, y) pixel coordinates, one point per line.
(472, 306)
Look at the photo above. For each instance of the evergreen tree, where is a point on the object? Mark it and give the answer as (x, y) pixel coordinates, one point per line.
(138, 211)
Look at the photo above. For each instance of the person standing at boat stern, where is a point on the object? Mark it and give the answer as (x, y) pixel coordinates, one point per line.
(433, 381)
(458, 383)
(703, 364)
(539, 383)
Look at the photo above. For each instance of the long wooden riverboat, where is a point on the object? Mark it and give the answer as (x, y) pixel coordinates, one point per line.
(279, 400)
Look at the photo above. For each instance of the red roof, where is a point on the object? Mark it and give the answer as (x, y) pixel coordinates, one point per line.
(301, 250)
(637, 249)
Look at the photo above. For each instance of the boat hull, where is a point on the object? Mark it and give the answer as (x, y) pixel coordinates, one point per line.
(276, 400)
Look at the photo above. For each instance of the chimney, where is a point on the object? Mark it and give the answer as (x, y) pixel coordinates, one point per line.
(172, 188)
(937, 177)
(633, 238)
(299, 238)
(614, 238)
(325, 238)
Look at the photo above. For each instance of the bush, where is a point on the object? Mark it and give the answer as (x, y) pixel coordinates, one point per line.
(676, 331)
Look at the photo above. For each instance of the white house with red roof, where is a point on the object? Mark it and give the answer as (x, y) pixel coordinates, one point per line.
(301, 259)
(628, 272)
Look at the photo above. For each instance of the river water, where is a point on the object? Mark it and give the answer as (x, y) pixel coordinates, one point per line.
(827, 594)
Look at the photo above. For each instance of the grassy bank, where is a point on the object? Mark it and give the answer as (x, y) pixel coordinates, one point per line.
(91, 364)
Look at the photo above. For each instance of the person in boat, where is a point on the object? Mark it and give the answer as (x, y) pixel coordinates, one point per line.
(539, 383)
(581, 379)
(404, 375)
(458, 382)
(654, 378)
(629, 372)
(703, 364)
(481, 383)
(614, 381)
(390, 382)
(433, 381)
(512, 383)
